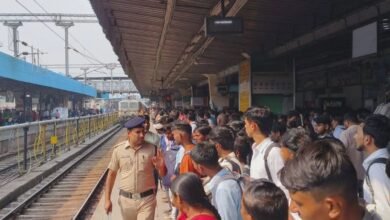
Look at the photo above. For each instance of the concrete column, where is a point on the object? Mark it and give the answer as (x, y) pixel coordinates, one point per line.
(216, 100)
(245, 86)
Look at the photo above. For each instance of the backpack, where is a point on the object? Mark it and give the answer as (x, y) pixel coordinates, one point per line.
(381, 160)
(266, 160)
(238, 178)
(236, 168)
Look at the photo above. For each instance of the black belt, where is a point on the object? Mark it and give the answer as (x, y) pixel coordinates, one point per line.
(136, 195)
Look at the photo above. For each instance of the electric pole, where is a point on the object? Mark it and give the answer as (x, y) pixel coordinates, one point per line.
(85, 69)
(14, 25)
(66, 25)
(111, 67)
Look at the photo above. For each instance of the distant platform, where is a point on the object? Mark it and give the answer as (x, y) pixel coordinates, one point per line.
(22, 71)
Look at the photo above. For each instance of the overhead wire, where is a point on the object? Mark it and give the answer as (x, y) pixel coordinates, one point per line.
(70, 34)
(58, 35)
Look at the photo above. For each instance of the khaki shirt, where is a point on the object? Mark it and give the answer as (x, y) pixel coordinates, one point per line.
(135, 165)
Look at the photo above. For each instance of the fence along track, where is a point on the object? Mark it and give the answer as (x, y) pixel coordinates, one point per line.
(11, 164)
(62, 197)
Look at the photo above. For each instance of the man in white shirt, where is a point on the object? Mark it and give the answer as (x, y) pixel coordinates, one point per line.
(373, 137)
(266, 159)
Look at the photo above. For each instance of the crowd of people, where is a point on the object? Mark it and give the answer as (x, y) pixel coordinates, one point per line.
(12, 116)
(258, 165)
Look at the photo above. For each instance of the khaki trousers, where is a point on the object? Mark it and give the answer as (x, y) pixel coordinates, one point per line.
(137, 209)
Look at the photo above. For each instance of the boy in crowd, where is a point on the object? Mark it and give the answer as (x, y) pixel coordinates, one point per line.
(322, 127)
(322, 183)
(224, 188)
(266, 159)
(372, 138)
(263, 200)
(169, 150)
(277, 131)
(223, 138)
(182, 135)
(291, 141)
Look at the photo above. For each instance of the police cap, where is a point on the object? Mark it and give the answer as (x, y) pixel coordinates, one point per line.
(134, 122)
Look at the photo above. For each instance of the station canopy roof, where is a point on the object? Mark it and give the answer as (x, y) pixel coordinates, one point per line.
(163, 42)
(15, 74)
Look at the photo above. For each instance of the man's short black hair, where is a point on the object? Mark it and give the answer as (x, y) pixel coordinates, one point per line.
(203, 130)
(174, 114)
(168, 127)
(147, 118)
(235, 116)
(224, 136)
(322, 168)
(202, 123)
(262, 199)
(295, 138)
(261, 117)
(362, 114)
(351, 116)
(184, 127)
(191, 116)
(338, 118)
(278, 127)
(205, 154)
(292, 113)
(323, 119)
(236, 125)
(378, 127)
(243, 149)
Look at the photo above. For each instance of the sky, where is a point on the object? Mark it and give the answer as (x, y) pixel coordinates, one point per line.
(90, 36)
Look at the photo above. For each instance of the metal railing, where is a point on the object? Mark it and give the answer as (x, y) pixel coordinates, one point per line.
(32, 142)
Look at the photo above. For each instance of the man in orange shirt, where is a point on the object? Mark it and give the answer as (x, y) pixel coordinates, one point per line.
(182, 134)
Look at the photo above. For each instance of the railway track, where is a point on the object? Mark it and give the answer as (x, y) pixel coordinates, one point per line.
(68, 193)
(9, 165)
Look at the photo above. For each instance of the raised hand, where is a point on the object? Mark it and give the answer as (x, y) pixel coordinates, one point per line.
(158, 160)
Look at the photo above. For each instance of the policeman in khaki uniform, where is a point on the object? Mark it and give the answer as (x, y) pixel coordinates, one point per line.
(135, 160)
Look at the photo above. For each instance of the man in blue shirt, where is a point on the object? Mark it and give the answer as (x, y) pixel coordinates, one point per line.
(225, 190)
